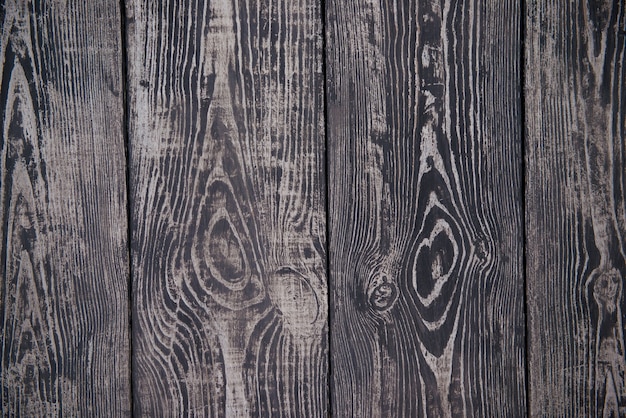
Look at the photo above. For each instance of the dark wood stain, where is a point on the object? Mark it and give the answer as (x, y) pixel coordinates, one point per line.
(449, 240)
(575, 206)
(63, 255)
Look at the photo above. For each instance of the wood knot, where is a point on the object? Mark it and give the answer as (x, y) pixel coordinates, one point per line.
(224, 251)
(383, 294)
(607, 289)
(294, 297)
(223, 257)
(436, 257)
(480, 248)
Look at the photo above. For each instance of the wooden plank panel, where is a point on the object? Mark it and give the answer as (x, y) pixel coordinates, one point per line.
(228, 219)
(425, 208)
(576, 217)
(64, 255)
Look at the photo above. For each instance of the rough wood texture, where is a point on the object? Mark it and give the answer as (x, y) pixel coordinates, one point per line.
(425, 208)
(575, 203)
(228, 220)
(64, 263)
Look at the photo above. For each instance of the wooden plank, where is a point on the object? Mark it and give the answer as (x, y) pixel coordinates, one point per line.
(425, 208)
(575, 202)
(228, 219)
(64, 255)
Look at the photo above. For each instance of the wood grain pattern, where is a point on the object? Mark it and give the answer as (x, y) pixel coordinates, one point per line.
(425, 208)
(228, 220)
(64, 259)
(575, 204)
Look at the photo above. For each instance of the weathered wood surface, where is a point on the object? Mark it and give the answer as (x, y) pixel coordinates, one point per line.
(575, 206)
(424, 134)
(228, 208)
(64, 256)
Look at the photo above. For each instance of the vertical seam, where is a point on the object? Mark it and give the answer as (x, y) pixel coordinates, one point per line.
(327, 206)
(522, 60)
(126, 117)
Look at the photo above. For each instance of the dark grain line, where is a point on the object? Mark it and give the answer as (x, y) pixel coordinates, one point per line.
(524, 133)
(126, 118)
(329, 277)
